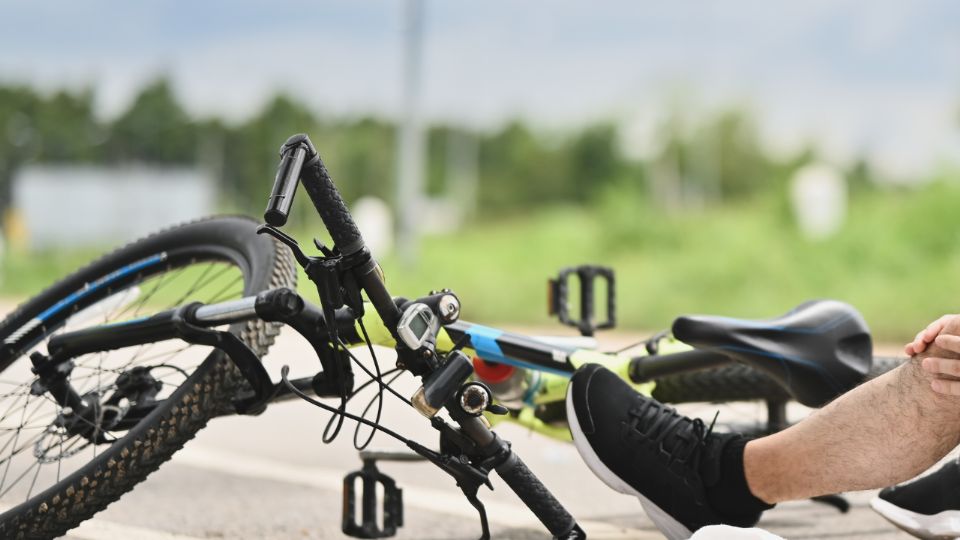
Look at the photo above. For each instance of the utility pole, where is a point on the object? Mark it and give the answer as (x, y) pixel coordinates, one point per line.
(410, 145)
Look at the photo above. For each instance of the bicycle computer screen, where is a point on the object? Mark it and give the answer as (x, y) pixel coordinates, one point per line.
(418, 325)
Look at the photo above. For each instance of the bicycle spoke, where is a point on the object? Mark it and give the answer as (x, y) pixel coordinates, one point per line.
(6, 468)
(32, 483)
(10, 408)
(138, 305)
(60, 461)
(222, 292)
(197, 287)
(19, 429)
(24, 473)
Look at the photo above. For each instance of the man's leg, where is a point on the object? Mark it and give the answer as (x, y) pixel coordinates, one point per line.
(883, 432)
(880, 433)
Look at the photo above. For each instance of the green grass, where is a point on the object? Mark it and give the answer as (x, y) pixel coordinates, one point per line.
(897, 260)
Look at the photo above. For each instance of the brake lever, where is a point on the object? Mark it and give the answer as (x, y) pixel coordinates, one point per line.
(469, 478)
(323, 271)
(327, 252)
(302, 258)
(475, 502)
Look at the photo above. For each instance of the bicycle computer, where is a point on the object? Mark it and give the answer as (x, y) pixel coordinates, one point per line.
(417, 325)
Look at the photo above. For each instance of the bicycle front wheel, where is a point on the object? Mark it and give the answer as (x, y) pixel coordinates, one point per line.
(57, 467)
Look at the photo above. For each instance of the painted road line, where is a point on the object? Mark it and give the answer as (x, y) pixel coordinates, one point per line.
(434, 500)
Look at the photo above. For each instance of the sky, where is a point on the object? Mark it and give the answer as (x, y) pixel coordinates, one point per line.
(876, 79)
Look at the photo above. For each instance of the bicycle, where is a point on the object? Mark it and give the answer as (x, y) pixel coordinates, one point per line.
(193, 308)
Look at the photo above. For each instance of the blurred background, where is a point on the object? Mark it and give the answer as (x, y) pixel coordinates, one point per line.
(734, 158)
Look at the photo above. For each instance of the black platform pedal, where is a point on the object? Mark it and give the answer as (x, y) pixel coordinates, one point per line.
(368, 478)
(558, 302)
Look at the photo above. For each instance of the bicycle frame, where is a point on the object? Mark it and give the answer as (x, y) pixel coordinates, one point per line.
(553, 362)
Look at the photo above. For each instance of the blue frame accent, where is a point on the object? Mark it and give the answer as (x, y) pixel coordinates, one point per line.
(99, 284)
(483, 339)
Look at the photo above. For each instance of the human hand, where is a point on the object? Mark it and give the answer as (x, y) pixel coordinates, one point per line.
(927, 335)
(946, 371)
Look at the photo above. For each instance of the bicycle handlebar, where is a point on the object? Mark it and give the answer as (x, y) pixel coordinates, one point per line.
(285, 185)
(335, 215)
(539, 499)
(326, 199)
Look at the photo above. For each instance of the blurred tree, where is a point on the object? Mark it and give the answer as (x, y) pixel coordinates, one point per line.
(742, 163)
(720, 159)
(364, 158)
(860, 177)
(18, 135)
(517, 169)
(154, 129)
(438, 138)
(68, 129)
(594, 160)
(58, 128)
(250, 152)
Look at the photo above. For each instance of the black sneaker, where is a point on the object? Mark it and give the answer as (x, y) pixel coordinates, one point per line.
(928, 507)
(641, 447)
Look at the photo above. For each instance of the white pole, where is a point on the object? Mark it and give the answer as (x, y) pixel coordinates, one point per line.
(410, 146)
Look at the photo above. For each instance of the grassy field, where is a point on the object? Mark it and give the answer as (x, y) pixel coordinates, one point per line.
(897, 260)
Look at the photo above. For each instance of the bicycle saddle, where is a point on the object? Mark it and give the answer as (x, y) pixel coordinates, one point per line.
(817, 351)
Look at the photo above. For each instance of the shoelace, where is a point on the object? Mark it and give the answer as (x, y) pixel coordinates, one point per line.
(663, 425)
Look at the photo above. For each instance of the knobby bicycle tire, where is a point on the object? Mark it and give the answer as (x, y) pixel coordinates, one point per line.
(263, 264)
(737, 382)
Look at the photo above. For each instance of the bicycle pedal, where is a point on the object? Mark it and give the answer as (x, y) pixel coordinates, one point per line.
(370, 479)
(558, 298)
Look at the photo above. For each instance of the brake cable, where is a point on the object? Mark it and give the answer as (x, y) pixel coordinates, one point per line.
(285, 372)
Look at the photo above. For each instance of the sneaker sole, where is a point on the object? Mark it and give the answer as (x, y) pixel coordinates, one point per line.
(942, 526)
(670, 527)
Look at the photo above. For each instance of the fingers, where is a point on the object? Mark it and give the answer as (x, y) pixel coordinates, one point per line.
(934, 328)
(917, 346)
(949, 388)
(948, 342)
(926, 336)
(942, 367)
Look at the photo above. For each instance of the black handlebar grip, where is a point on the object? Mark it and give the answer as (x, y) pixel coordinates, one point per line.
(539, 499)
(326, 199)
(285, 185)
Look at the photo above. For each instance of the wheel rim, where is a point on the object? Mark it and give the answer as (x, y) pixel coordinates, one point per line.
(37, 451)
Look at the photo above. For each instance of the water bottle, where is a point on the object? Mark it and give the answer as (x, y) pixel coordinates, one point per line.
(508, 383)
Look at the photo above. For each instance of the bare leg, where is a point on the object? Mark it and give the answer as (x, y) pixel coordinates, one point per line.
(881, 433)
